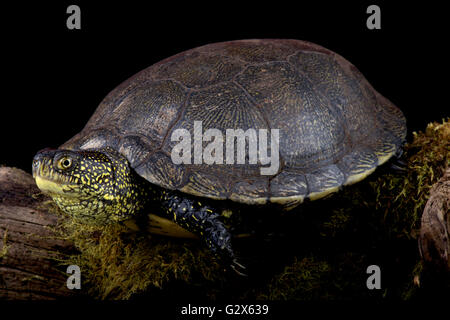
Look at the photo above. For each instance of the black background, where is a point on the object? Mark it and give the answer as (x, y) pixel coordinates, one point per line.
(53, 78)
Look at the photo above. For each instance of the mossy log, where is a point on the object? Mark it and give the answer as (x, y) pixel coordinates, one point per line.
(38, 243)
(321, 251)
(29, 249)
(435, 228)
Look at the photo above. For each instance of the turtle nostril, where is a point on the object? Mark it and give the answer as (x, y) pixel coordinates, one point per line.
(35, 167)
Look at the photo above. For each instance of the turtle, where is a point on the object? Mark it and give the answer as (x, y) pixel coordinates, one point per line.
(333, 130)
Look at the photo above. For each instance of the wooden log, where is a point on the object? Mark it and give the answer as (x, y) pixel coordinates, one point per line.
(434, 241)
(29, 248)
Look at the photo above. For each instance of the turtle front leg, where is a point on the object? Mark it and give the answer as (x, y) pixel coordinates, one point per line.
(203, 221)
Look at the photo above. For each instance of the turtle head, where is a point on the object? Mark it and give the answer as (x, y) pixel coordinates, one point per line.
(95, 186)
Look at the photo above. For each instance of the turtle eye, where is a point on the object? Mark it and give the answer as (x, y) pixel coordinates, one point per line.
(65, 163)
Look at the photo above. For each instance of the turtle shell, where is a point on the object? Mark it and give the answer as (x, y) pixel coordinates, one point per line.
(334, 128)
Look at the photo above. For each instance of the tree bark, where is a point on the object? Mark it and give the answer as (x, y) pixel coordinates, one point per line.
(29, 248)
(434, 241)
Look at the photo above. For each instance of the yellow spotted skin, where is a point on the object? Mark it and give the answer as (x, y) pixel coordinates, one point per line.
(98, 187)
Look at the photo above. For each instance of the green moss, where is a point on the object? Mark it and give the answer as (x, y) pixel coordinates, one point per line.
(301, 280)
(403, 197)
(117, 263)
(338, 222)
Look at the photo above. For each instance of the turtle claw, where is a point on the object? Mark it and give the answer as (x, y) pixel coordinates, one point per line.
(399, 165)
(238, 268)
(398, 168)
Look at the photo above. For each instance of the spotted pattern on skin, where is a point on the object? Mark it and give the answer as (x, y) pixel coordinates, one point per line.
(99, 187)
(199, 219)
